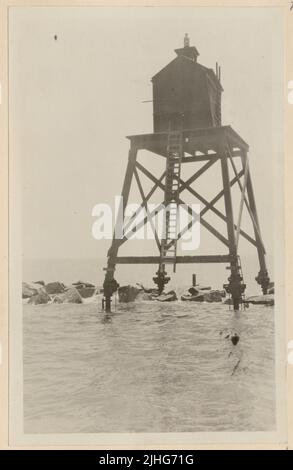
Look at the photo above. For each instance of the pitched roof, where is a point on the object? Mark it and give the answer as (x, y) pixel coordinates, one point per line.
(207, 70)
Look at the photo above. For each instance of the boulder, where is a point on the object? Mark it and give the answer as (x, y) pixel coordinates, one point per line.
(193, 291)
(267, 299)
(31, 288)
(128, 293)
(71, 295)
(194, 294)
(199, 287)
(53, 288)
(86, 289)
(167, 297)
(40, 298)
(193, 298)
(86, 292)
(212, 296)
(80, 284)
(42, 283)
(144, 296)
(148, 290)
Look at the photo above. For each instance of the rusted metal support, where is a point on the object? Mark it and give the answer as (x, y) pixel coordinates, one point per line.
(255, 222)
(235, 287)
(110, 284)
(224, 143)
(262, 278)
(238, 228)
(161, 278)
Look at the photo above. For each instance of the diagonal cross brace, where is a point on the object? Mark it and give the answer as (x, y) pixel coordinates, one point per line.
(209, 227)
(146, 208)
(255, 225)
(148, 196)
(159, 184)
(217, 212)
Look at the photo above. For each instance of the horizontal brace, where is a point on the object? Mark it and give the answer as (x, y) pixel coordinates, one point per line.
(179, 259)
(211, 156)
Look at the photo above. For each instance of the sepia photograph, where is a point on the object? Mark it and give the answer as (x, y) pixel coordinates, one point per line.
(146, 242)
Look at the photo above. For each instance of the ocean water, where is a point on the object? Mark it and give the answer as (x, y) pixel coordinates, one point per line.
(147, 367)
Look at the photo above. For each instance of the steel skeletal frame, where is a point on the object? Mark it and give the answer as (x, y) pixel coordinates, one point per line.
(213, 144)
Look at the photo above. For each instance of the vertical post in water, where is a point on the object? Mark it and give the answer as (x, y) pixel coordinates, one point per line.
(110, 284)
(235, 286)
(193, 280)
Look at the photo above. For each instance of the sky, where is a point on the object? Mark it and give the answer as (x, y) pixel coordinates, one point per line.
(74, 99)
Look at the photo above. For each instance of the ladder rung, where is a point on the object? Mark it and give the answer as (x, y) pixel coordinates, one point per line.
(172, 183)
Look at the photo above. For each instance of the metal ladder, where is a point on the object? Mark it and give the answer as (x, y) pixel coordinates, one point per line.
(173, 169)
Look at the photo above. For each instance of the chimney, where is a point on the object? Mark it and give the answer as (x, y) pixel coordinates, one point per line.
(186, 40)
